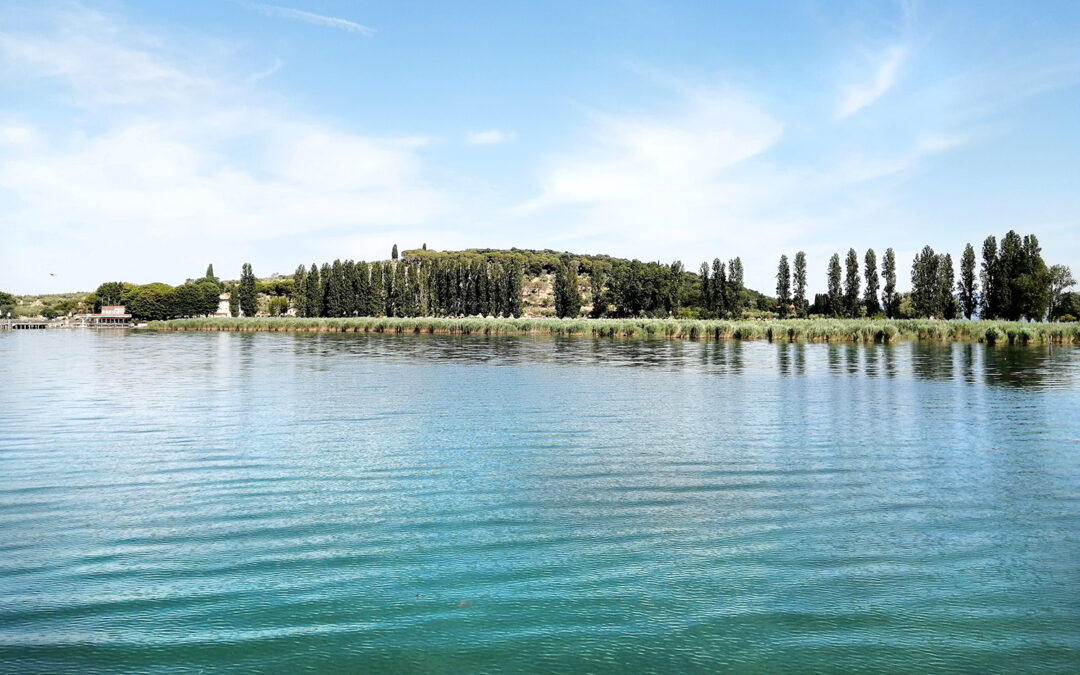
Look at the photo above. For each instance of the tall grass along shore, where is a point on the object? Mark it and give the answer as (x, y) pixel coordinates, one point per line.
(792, 330)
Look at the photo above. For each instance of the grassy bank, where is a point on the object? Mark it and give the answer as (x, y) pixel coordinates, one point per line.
(807, 330)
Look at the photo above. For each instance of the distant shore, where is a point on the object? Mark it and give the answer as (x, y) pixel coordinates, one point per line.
(790, 330)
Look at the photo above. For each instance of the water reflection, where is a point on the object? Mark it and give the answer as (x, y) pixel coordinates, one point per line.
(1006, 366)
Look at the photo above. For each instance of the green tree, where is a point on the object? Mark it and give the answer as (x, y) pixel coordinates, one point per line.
(246, 291)
(836, 296)
(706, 286)
(210, 274)
(1060, 278)
(313, 292)
(735, 286)
(1031, 282)
(514, 284)
(783, 286)
(888, 272)
(719, 294)
(597, 280)
(870, 273)
(967, 288)
(991, 288)
(946, 301)
(393, 253)
(925, 293)
(852, 308)
(299, 296)
(378, 288)
(567, 297)
(800, 284)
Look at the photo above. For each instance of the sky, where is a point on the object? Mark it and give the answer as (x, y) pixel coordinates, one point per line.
(140, 141)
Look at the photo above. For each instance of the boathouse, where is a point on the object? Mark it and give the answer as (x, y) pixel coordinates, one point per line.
(111, 315)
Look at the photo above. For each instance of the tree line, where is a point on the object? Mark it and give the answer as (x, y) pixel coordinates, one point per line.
(403, 288)
(1013, 283)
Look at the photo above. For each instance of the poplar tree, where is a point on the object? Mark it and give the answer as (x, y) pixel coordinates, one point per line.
(335, 290)
(597, 279)
(706, 288)
(946, 302)
(851, 285)
(991, 292)
(313, 294)
(735, 284)
(836, 297)
(378, 289)
(783, 286)
(246, 292)
(925, 295)
(800, 284)
(567, 297)
(967, 287)
(299, 299)
(514, 282)
(719, 293)
(870, 273)
(892, 300)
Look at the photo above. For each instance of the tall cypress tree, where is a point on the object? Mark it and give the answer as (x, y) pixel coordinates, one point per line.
(246, 292)
(836, 295)
(967, 286)
(783, 286)
(799, 299)
(870, 273)
(888, 271)
(852, 308)
(394, 253)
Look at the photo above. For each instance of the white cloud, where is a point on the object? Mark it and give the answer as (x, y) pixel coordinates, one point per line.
(165, 184)
(310, 17)
(489, 137)
(857, 96)
(17, 135)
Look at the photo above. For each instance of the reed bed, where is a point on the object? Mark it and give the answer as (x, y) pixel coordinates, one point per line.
(791, 330)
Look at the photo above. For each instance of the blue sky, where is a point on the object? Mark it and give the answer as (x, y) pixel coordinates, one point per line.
(141, 141)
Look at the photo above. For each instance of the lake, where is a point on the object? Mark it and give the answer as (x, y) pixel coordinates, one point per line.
(180, 502)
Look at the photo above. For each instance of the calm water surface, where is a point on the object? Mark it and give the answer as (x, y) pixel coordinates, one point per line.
(187, 502)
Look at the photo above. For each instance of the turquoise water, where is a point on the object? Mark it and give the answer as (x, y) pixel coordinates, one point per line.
(352, 503)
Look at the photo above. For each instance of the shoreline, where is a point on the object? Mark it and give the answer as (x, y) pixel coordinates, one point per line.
(784, 330)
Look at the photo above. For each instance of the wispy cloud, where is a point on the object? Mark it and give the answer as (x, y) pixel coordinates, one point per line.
(489, 137)
(207, 162)
(857, 96)
(310, 17)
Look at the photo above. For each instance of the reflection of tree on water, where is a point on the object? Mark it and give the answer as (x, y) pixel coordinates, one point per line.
(1003, 365)
(723, 357)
